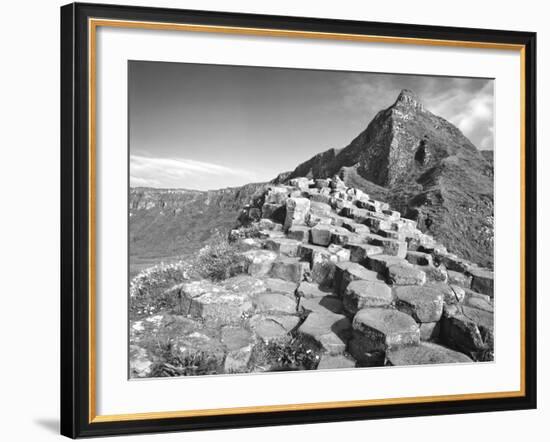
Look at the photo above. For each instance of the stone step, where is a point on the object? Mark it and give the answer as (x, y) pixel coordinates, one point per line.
(424, 353)
(326, 332)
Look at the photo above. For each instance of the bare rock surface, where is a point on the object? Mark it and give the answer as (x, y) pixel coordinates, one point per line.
(424, 353)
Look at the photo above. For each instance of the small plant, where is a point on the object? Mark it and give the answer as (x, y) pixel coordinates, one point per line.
(219, 260)
(148, 286)
(195, 364)
(286, 356)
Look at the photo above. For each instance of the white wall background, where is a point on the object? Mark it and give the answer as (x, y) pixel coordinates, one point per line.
(29, 219)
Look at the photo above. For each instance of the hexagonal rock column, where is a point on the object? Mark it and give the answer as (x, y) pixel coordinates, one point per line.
(352, 271)
(328, 362)
(400, 274)
(468, 330)
(482, 281)
(422, 303)
(326, 332)
(424, 353)
(299, 233)
(284, 246)
(460, 279)
(273, 328)
(322, 263)
(392, 247)
(360, 252)
(321, 234)
(309, 290)
(259, 261)
(381, 263)
(360, 294)
(296, 212)
(274, 302)
(375, 330)
(452, 294)
(213, 303)
(289, 269)
(300, 183)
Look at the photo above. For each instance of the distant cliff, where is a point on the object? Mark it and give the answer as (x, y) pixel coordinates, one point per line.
(174, 222)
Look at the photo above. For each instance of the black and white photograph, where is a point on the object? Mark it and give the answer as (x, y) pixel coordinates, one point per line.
(291, 219)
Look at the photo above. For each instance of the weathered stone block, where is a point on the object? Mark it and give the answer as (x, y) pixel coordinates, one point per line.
(482, 281)
(424, 353)
(419, 258)
(299, 233)
(259, 261)
(321, 183)
(273, 328)
(452, 294)
(328, 333)
(391, 246)
(435, 274)
(380, 263)
(289, 269)
(321, 234)
(341, 253)
(401, 274)
(277, 195)
(274, 303)
(422, 303)
(461, 279)
(322, 304)
(312, 220)
(360, 252)
(297, 210)
(284, 246)
(361, 294)
(355, 271)
(467, 330)
(429, 331)
(377, 329)
(328, 362)
(340, 236)
(478, 300)
(310, 290)
(300, 183)
(318, 208)
(275, 285)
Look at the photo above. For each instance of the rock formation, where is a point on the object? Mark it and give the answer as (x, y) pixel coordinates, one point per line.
(424, 167)
(333, 279)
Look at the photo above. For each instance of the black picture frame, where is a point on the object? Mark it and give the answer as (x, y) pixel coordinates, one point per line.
(75, 221)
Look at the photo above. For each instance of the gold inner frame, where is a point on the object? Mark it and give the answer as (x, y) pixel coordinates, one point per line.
(93, 24)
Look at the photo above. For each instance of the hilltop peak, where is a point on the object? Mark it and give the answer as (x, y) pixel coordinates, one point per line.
(408, 98)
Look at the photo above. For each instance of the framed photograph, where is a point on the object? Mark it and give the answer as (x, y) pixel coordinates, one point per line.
(274, 220)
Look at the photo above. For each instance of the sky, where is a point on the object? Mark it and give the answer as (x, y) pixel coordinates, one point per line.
(198, 126)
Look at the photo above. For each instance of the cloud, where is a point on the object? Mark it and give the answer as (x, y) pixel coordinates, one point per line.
(184, 173)
(465, 102)
(471, 110)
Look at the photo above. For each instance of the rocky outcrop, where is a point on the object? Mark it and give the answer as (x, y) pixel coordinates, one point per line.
(334, 277)
(426, 168)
